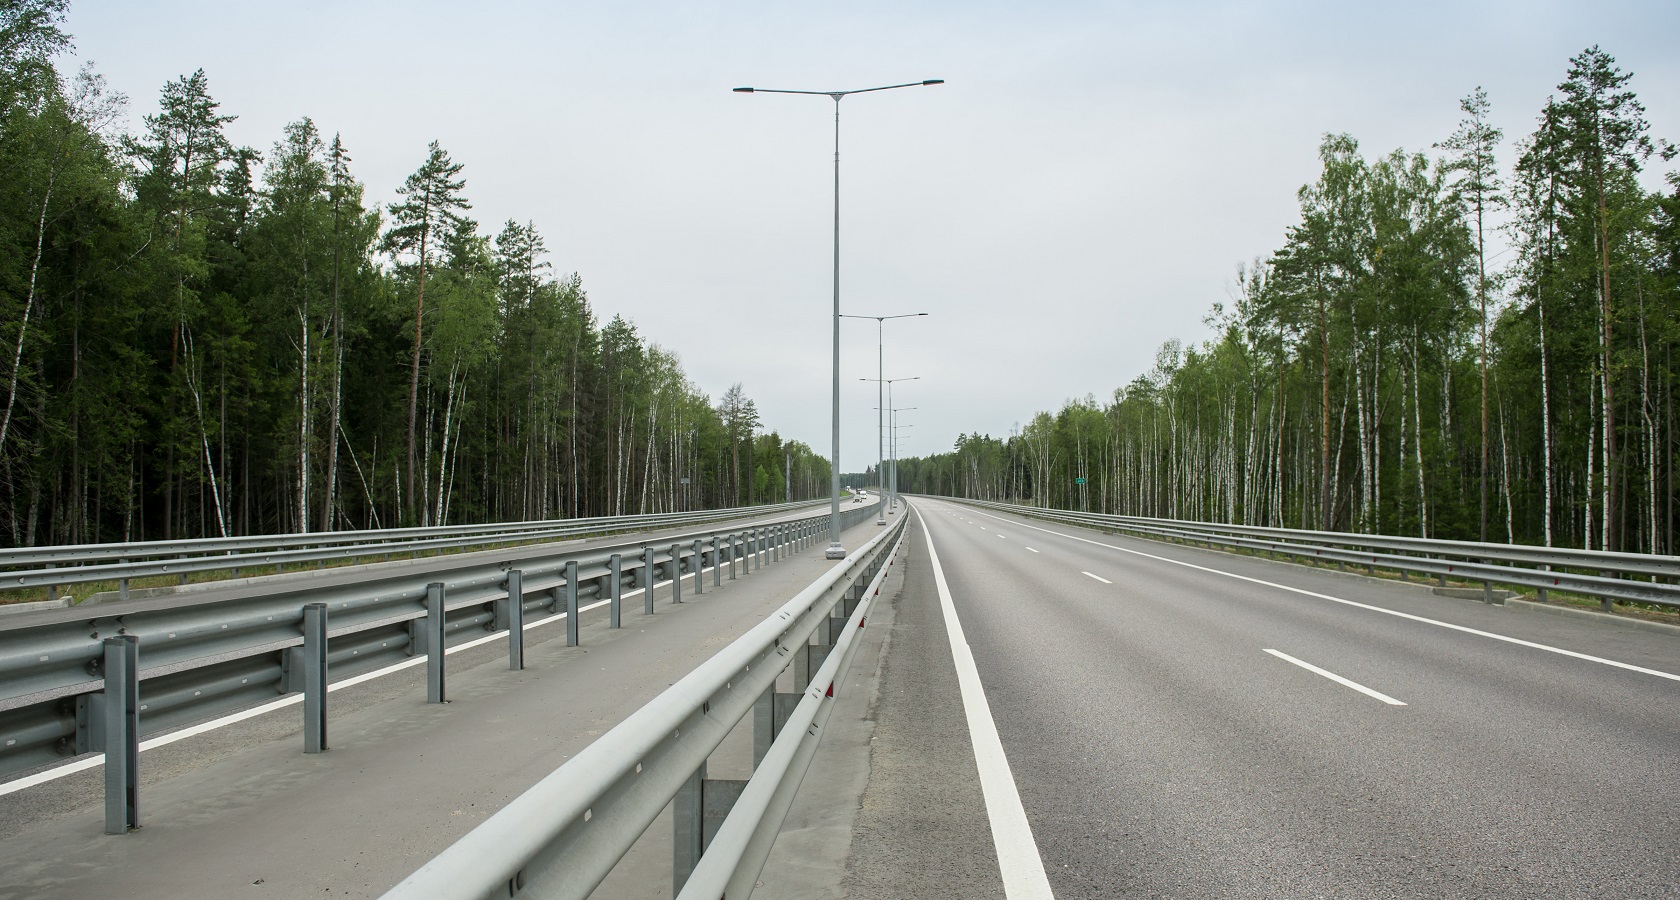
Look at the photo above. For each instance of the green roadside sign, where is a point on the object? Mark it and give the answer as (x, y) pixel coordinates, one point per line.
(1079, 481)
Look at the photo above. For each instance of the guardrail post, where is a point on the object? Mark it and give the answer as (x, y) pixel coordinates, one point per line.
(314, 677)
(699, 567)
(434, 643)
(717, 564)
(1540, 593)
(688, 828)
(571, 603)
(770, 713)
(615, 579)
(732, 555)
(122, 733)
(646, 577)
(676, 573)
(514, 615)
(697, 811)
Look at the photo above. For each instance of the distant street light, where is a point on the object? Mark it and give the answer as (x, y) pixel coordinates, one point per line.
(895, 428)
(835, 550)
(880, 369)
(889, 383)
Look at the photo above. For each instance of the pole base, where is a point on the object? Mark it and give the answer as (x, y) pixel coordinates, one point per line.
(835, 551)
(880, 519)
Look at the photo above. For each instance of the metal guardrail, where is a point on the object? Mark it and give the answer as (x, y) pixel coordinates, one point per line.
(202, 656)
(51, 567)
(563, 836)
(1539, 568)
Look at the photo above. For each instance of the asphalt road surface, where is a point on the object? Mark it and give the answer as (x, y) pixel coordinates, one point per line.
(1184, 723)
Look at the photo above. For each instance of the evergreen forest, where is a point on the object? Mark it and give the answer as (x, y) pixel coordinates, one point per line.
(1476, 342)
(200, 339)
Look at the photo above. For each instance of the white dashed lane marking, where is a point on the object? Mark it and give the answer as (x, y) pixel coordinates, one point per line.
(1336, 678)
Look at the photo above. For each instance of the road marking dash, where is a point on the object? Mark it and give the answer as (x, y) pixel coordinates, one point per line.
(1029, 548)
(1097, 577)
(1336, 678)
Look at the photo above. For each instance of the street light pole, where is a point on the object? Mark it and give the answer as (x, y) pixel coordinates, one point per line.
(880, 414)
(887, 411)
(835, 550)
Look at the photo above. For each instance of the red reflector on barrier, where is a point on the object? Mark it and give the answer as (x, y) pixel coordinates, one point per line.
(862, 620)
(831, 689)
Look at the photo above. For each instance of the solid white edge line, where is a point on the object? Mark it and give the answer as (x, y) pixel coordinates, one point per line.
(1427, 621)
(1097, 577)
(82, 765)
(1018, 860)
(1336, 678)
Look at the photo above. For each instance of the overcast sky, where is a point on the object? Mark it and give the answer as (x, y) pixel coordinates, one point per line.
(1079, 191)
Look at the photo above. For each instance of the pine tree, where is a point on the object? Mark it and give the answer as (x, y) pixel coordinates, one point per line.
(183, 154)
(1604, 130)
(431, 197)
(1478, 185)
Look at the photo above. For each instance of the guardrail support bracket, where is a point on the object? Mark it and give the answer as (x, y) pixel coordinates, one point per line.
(771, 711)
(699, 567)
(615, 582)
(122, 734)
(676, 573)
(571, 603)
(314, 677)
(698, 810)
(644, 580)
(513, 614)
(434, 643)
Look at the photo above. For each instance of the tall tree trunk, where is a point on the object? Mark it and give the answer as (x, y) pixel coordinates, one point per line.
(1611, 524)
(414, 371)
(330, 488)
(1325, 496)
(28, 308)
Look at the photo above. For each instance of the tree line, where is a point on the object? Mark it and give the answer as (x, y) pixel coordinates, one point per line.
(203, 339)
(1382, 371)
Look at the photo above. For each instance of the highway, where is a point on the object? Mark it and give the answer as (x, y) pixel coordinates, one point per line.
(1184, 723)
(1040, 710)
